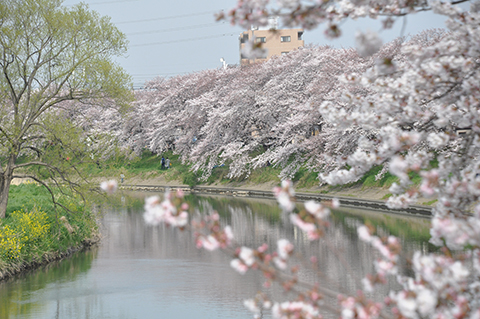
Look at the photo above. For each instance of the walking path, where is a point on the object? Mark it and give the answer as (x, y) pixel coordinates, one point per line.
(260, 192)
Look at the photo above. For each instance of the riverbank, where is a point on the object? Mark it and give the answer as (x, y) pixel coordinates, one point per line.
(13, 269)
(36, 233)
(353, 196)
(146, 170)
(372, 198)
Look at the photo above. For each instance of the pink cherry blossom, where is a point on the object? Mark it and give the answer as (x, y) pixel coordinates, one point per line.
(109, 187)
(209, 243)
(284, 248)
(316, 209)
(239, 266)
(247, 256)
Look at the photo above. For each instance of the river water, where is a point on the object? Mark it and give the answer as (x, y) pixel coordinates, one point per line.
(139, 271)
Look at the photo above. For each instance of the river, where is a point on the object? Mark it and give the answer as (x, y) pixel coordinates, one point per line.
(140, 271)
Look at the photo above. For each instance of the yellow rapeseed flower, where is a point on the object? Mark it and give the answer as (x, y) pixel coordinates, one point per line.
(24, 229)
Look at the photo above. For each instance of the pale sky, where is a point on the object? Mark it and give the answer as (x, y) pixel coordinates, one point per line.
(169, 38)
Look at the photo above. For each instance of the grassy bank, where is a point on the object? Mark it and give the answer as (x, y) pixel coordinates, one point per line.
(35, 232)
(148, 166)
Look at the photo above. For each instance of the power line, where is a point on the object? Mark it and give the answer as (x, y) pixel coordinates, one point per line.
(110, 2)
(166, 18)
(152, 19)
(184, 40)
(176, 29)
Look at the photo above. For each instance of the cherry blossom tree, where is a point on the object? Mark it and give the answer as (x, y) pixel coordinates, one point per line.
(302, 130)
(415, 108)
(411, 106)
(401, 108)
(223, 116)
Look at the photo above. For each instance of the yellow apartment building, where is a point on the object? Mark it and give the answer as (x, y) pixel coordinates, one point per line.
(277, 42)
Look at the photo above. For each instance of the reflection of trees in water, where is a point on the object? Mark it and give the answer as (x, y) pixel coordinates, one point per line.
(14, 291)
(197, 274)
(343, 260)
(162, 255)
(415, 229)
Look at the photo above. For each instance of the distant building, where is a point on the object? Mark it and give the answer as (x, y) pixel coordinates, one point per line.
(277, 42)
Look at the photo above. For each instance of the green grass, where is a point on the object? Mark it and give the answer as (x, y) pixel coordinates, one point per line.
(219, 175)
(148, 165)
(305, 179)
(264, 175)
(430, 202)
(33, 229)
(27, 196)
(368, 180)
(387, 196)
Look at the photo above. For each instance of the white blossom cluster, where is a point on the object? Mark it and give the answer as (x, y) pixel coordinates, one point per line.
(223, 116)
(158, 211)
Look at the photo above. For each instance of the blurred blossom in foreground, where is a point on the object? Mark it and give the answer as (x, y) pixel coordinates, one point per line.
(157, 211)
(254, 50)
(109, 187)
(285, 195)
(367, 43)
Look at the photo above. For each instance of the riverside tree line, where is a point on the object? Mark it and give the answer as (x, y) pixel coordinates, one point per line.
(341, 112)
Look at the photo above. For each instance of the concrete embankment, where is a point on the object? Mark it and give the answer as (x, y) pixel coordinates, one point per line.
(347, 202)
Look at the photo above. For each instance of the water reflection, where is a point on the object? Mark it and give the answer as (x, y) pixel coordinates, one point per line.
(24, 294)
(157, 272)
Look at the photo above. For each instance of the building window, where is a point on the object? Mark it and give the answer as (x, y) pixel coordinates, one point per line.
(283, 53)
(261, 40)
(300, 35)
(285, 38)
(244, 38)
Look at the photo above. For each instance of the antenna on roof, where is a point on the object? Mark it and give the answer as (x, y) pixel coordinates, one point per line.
(224, 63)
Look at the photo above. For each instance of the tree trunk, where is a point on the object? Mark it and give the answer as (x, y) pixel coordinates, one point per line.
(4, 189)
(5, 180)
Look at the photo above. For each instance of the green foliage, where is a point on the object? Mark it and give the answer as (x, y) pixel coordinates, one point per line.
(149, 163)
(431, 202)
(146, 162)
(219, 175)
(26, 196)
(23, 233)
(53, 57)
(387, 196)
(415, 178)
(305, 178)
(36, 229)
(368, 180)
(190, 179)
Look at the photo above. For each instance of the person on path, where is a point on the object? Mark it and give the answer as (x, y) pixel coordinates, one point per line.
(163, 162)
(167, 163)
(122, 176)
